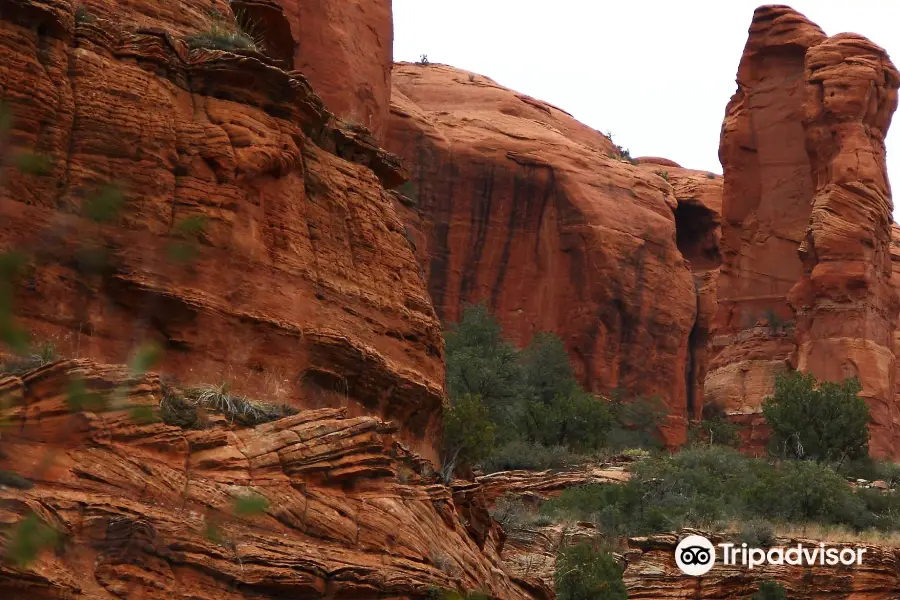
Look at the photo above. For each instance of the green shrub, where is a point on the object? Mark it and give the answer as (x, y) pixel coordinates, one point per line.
(540, 414)
(635, 421)
(825, 422)
(186, 410)
(714, 429)
(528, 456)
(758, 533)
(576, 420)
(770, 590)
(697, 486)
(468, 433)
(583, 573)
(805, 492)
(882, 509)
(871, 469)
(224, 33)
(480, 362)
(38, 356)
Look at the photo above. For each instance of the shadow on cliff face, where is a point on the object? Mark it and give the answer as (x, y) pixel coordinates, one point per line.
(697, 237)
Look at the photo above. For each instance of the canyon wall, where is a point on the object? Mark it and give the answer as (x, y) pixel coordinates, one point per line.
(346, 49)
(806, 265)
(514, 203)
(302, 289)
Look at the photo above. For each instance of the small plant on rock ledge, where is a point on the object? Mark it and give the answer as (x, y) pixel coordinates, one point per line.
(223, 34)
(423, 60)
(83, 15)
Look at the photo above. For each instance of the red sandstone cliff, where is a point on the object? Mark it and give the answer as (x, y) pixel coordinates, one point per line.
(845, 303)
(303, 287)
(345, 48)
(515, 203)
(806, 212)
(147, 510)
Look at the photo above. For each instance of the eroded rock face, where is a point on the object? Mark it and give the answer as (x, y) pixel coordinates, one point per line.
(845, 303)
(350, 513)
(766, 207)
(805, 278)
(303, 287)
(515, 203)
(346, 49)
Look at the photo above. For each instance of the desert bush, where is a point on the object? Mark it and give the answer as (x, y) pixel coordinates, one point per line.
(528, 456)
(576, 420)
(758, 533)
(187, 410)
(224, 33)
(480, 362)
(770, 590)
(583, 573)
(468, 433)
(714, 429)
(821, 421)
(871, 469)
(38, 356)
(635, 421)
(511, 513)
(540, 414)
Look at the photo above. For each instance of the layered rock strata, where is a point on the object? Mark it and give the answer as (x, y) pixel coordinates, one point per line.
(805, 277)
(302, 284)
(148, 510)
(846, 304)
(766, 206)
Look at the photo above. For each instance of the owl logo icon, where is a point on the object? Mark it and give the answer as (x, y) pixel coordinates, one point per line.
(695, 555)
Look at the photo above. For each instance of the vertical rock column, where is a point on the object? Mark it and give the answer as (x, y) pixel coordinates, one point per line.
(845, 303)
(766, 202)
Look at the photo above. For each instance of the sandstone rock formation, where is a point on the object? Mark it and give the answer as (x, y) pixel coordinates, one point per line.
(514, 203)
(698, 231)
(146, 510)
(651, 574)
(545, 484)
(303, 285)
(846, 305)
(345, 48)
(806, 212)
(765, 210)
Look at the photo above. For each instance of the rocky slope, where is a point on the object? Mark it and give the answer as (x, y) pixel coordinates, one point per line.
(514, 203)
(147, 510)
(806, 215)
(303, 284)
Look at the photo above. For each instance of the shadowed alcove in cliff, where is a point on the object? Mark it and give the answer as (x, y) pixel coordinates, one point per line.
(696, 235)
(266, 22)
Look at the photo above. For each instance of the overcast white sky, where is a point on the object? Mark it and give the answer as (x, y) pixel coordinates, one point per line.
(655, 73)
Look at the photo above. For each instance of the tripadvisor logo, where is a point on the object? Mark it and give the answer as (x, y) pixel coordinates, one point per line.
(695, 555)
